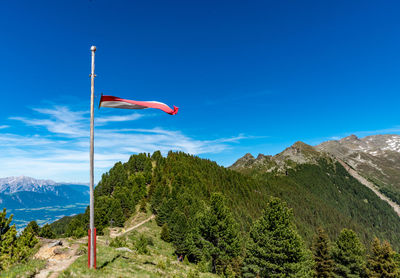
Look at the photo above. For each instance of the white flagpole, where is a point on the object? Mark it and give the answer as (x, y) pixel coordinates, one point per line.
(92, 235)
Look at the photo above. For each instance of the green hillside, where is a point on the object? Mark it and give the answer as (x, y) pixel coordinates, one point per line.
(180, 185)
(230, 223)
(324, 194)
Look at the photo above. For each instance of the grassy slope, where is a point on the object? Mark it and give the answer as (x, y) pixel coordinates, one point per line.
(160, 262)
(27, 269)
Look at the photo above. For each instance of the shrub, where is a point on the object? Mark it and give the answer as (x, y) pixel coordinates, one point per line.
(118, 242)
(141, 245)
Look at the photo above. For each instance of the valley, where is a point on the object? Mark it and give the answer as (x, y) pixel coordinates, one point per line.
(44, 201)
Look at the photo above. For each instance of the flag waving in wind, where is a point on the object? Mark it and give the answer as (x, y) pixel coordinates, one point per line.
(116, 102)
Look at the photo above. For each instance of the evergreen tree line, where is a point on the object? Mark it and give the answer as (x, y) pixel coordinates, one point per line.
(219, 219)
(347, 257)
(116, 197)
(15, 249)
(273, 247)
(325, 194)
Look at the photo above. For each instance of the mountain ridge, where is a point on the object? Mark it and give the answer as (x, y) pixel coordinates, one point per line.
(375, 157)
(299, 152)
(13, 184)
(42, 200)
(361, 157)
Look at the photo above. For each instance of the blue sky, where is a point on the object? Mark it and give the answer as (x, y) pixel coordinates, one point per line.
(248, 76)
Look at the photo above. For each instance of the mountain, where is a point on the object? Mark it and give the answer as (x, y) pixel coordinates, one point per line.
(323, 191)
(11, 185)
(42, 200)
(184, 194)
(178, 187)
(26, 192)
(298, 153)
(376, 158)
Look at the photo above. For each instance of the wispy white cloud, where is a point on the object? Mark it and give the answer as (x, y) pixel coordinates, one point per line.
(4, 126)
(62, 152)
(60, 120)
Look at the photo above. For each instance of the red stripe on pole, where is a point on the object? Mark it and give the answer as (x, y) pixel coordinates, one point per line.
(116, 102)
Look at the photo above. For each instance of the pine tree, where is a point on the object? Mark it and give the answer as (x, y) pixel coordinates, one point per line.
(8, 238)
(165, 210)
(179, 227)
(26, 241)
(126, 200)
(137, 183)
(76, 227)
(107, 210)
(349, 255)
(381, 262)
(47, 232)
(397, 259)
(275, 249)
(321, 249)
(117, 214)
(34, 227)
(165, 233)
(222, 232)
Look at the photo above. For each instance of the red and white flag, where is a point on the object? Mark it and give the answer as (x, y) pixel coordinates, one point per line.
(116, 102)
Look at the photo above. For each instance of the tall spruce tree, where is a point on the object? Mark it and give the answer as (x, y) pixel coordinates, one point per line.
(220, 230)
(322, 257)
(275, 249)
(382, 262)
(349, 255)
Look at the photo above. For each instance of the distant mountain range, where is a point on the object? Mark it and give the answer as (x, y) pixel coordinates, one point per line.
(26, 192)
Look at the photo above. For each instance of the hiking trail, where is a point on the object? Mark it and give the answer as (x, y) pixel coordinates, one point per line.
(60, 254)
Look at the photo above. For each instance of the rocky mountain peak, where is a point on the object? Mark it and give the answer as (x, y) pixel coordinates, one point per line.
(299, 152)
(244, 161)
(375, 145)
(11, 185)
(248, 156)
(349, 138)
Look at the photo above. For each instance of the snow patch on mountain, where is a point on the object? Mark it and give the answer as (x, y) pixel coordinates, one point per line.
(10, 185)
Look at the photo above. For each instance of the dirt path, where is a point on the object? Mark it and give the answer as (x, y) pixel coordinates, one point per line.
(371, 186)
(133, 227)
(58, 257)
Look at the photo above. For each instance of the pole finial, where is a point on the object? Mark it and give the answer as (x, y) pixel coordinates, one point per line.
(93, 48)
